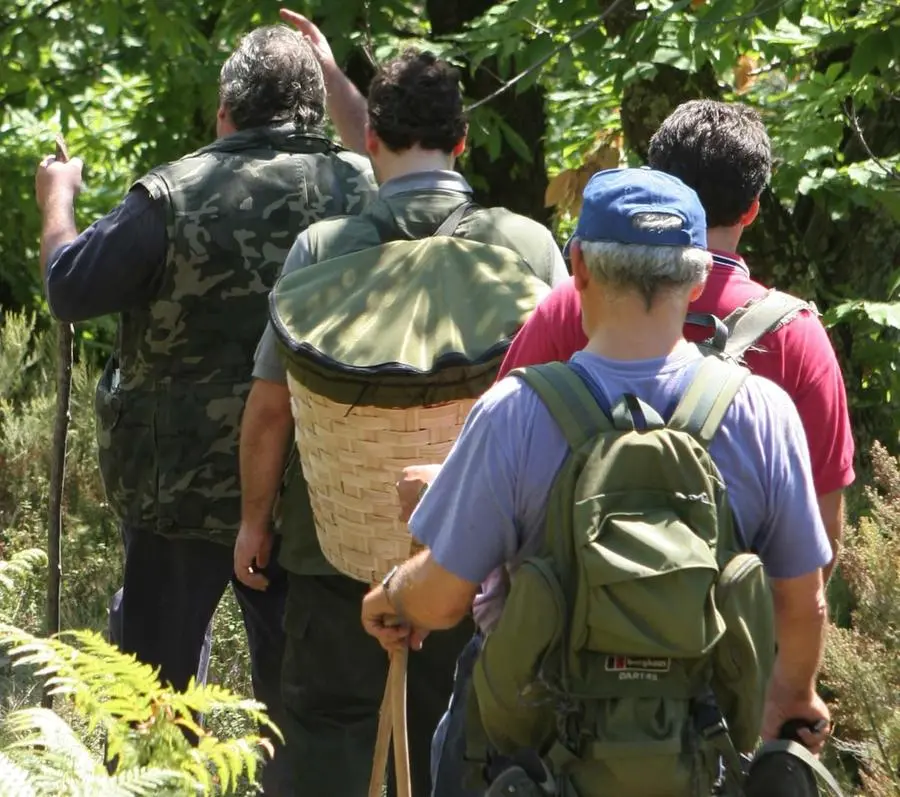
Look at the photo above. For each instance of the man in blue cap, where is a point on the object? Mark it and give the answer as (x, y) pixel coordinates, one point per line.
(639, 259)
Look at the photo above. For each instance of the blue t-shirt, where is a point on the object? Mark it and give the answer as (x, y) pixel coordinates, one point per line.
(486, 509)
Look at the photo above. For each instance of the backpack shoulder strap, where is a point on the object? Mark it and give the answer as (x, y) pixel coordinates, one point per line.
(568, 400)
(747, 324)
(707, 398)
(449, 225)
(799, 751)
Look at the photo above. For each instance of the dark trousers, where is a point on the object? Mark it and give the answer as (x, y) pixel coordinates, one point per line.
(332, 684)
(448, 764)
(171, 589)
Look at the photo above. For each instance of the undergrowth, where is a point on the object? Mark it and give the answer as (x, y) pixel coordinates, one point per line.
(105, 697)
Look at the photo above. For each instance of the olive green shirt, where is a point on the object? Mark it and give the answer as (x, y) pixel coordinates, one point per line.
(300, 551)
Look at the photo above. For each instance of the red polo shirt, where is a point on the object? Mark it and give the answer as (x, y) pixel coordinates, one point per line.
(797, 356)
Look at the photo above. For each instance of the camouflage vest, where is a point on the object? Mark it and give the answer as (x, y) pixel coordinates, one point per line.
(169, 405)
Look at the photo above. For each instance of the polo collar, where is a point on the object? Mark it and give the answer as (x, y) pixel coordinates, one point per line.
(730, 260)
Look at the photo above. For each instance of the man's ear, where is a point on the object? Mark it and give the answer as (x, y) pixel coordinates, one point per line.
(460, 147)
(373, 143)
(697, 291)
(750, 216)
(580, 273)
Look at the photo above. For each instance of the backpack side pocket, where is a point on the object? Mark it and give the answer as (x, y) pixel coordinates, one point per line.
(743, 659)
(515, 703)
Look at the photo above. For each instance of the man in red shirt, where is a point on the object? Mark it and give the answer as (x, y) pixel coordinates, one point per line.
(722, 151)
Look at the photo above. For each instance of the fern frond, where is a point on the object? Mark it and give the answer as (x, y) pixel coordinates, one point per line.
(19, 567)
(142, 721)
(40, 728)
(15, 780)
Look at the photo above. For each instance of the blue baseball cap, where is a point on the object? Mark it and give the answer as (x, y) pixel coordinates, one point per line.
(614, 200)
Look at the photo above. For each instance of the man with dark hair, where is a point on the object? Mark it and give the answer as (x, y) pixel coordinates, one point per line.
(187, 260)
(334, 673)
(722, 151)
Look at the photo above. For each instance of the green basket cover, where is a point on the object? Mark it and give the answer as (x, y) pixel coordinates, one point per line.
(404, 324)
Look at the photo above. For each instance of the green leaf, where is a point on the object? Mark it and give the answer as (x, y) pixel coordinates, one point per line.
(885, 314)
(517, 142)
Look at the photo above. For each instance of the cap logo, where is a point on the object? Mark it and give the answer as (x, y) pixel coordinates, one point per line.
(656, 222)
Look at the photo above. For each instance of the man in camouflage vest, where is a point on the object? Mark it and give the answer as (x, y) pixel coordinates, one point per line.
(413, 128)
(187, 260)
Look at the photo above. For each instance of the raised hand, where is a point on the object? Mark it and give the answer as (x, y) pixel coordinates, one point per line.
(56, 179)
(313, 35)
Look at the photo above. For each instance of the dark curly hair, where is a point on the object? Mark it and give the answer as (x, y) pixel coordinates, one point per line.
(415, 99)
(719, 149)
(273, 77)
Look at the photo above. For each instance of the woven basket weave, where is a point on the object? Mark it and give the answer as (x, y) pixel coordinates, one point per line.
(352, 458)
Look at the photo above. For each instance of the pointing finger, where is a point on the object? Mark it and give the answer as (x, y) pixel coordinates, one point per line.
(295, 19)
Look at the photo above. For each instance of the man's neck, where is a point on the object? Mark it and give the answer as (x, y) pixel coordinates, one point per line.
(410, 162)
(724, 239)
(628, 331)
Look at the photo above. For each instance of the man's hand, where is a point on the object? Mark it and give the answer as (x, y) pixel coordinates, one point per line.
(57, 181)
(320, 46)
(379, 620)
(346, 106)
(251, 554)
(412, 485)
(783, 705)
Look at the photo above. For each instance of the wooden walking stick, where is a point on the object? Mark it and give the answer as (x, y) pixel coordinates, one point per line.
(392, 727)
(58, 461)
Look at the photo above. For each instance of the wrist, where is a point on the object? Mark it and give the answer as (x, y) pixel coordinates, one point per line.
(331, 73)
(59, 198)
(783, 686)
(256, 529)
(389, 592)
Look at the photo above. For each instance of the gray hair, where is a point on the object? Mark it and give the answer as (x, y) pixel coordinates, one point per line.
(273, 77)
(647, 269)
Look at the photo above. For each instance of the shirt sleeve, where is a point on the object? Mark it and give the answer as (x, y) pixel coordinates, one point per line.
(553, 332)
(114, 265)
(467, 518)
(267, 362)
(821, 401)
(793, 541)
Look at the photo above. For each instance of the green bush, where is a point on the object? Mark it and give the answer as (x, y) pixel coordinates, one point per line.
(862, 661)
(105, 701)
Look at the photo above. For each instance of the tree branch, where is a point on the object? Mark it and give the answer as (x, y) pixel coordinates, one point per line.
(853, 119)
(582, 31)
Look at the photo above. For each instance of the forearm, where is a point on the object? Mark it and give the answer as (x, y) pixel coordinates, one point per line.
(346, 107)
(426, 596)
(58, 226)
(831, 507)
(800, 625)
(265, 435)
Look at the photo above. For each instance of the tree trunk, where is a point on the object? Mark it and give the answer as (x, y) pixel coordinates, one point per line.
(508, 181)
(802, 248)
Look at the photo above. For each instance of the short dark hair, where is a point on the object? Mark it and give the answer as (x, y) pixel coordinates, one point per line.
(719, 149)
(415, 98)
(273, 77)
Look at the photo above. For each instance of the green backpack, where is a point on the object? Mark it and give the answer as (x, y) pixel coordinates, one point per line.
(635, 650)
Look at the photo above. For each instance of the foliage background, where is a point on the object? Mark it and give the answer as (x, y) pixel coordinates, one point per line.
(132, 83)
